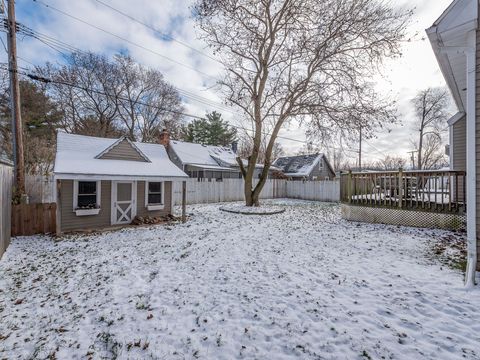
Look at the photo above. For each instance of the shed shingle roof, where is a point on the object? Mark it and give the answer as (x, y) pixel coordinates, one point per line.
(300, 165)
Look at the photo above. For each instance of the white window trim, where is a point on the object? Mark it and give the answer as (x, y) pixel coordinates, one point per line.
(81, 212)
(152, 207)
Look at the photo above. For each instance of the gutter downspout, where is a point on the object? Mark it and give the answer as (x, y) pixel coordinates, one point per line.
(471, 161)
(470, 54)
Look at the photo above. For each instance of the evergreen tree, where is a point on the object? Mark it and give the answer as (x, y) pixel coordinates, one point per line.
(212, 130)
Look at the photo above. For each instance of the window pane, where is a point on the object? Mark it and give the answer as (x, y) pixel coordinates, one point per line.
(87, 201)
(154, 198)
(87, 187)
(154, 187)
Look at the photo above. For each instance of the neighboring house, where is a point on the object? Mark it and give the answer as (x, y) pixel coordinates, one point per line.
(5, 161)
(455, 39)
(104, 182)
(305, 167)
(204, 161)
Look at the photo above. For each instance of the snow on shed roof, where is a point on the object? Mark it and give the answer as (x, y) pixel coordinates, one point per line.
(300, 165)
(76, 156)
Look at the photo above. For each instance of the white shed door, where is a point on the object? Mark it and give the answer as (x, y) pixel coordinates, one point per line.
(124, 202)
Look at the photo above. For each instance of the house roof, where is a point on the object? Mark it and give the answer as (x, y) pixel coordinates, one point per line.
(5, 160)
(77, 157)
(198, 154)
(208, 156)
(448, 35)
(300, 165)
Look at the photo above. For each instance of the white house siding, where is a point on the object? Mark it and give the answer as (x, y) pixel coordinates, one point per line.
(477, 146)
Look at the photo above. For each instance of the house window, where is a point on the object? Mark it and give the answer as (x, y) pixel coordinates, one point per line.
(155, 193)
(86, 195)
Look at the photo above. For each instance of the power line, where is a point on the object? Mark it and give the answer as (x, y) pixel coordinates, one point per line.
(61, 46)
(47, 80)
(167, 36)
(123, 39)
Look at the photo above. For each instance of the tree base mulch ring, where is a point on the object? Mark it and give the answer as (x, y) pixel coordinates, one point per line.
(252, 210)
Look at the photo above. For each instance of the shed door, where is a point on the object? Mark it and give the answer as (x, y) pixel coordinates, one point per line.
(124, 204)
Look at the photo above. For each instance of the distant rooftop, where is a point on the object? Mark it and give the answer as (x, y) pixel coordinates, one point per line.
(300, 165)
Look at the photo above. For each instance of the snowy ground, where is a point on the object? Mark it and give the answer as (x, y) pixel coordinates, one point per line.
(302, 284)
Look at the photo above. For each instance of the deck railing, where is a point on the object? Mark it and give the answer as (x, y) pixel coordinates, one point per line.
(437, 191)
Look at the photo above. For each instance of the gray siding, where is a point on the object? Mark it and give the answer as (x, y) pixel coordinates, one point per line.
(319, 173)
(459, 143)
(71, 222)
(142, 210)
(459, 151)
(123, 151)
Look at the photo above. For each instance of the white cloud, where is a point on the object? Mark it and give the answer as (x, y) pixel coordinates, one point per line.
(416, 70)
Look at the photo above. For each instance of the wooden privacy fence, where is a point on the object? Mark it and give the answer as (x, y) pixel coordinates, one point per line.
(40, 188)
(205, 191)
(30, 219)
(6, 183)
(328, 190)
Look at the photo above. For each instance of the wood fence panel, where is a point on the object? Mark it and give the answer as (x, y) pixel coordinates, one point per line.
(205, 191)
(6, 185)
(40, 188)
(30, 219)
(328, 190)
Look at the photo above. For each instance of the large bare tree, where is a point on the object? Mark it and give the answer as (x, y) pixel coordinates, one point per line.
(307, 60)
(109, 98)
(93, 96)
(147, 102)
(431, 110)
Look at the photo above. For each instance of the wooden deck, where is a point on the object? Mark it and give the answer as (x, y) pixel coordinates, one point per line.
(435, 191)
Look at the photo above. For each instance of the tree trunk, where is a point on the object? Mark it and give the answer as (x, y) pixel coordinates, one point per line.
(249, 200)
(420, 146)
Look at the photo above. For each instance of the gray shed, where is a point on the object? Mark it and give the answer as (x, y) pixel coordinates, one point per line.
(105, 182)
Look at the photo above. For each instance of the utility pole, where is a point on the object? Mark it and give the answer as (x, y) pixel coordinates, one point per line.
(360, 151)
(412, 157)
(17, 125)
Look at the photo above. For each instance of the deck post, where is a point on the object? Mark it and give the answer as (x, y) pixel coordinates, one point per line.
(184, 201)
(349, 186)
(400, 188)
(58, 212)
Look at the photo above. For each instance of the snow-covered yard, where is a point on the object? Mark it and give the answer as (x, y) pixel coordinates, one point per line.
(302, 284)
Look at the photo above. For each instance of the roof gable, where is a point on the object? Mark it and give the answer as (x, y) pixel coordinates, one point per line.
(456, 14)
(300, 164)
(123, 149)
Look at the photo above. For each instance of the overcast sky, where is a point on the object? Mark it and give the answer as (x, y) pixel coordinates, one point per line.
(416, 70)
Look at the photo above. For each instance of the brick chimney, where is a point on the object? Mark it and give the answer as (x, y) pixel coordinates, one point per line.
(164, 138)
